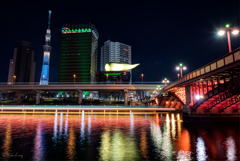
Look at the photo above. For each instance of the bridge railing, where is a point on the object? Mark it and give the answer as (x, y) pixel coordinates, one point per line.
(216, 64)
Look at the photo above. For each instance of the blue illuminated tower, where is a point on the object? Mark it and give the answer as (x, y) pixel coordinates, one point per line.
(46, 54)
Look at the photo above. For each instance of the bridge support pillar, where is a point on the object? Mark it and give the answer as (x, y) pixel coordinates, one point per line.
(80, 92)
(186, 108)
(125, 97)
(37, 97)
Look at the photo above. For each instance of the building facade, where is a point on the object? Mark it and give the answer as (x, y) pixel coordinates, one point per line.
(22, 67)
(117, 77)
(78, 53)
(115, 52)
(46, 54)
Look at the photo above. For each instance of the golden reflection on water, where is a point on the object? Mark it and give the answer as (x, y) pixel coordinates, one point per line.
(122, 147)
(143, 144)
(179, 127)
(71, 144)
(7, 142)
(105, 146)
(173, 127)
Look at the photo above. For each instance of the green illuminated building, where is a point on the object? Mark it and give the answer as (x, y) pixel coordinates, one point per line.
(78, 53)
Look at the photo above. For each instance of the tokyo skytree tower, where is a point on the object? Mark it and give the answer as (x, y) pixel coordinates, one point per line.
(46, 54)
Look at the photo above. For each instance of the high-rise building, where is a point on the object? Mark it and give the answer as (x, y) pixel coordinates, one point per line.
(46, 54)
(22, 67)
(115, 52)
(78, 53)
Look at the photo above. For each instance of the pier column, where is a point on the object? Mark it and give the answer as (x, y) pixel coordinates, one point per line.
(80, 92)
(186, 108)
(37, 97)
(125, 97)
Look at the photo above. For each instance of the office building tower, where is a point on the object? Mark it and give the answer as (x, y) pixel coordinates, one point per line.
(78, 53)
(46, 54)
(22, 67)
(115, 52)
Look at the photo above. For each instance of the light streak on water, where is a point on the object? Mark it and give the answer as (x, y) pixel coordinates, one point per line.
(66, 127)
(156, 136)
(231, 149)
(71, 151)
(201, 150)
(7, 142)
(179, 126)
(82, 126)
(38, 144)
(184, 155)
(167, 145)
(143, 144)
(105, 151)
(132, 124)
(89, 124)
(55, 127)
(61, 124)
(173, 127)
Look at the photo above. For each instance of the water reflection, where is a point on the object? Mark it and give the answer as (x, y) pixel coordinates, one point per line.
(201, 150)
(156, 136)
(132, 124)
(179, 125)
(89, 128)
(38, 144)
(71, 151)
(7, 143)
(66, 127)
(82, 126)
(184, 154)
(119, 147)
(143, 144)
(55, 128)
(167, 145)
(61, 122)
(173, 127)
(231, 149)
(122, 137)
(105, 146)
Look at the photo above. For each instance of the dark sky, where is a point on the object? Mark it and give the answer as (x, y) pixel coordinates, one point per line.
(162, 34)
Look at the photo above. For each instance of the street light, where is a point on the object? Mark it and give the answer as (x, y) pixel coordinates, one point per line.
(181, 67)
(74, 77)
(14, 79)
(178, 75)
(165, 81)
(142, 78)
(107, 78)
(227, 28)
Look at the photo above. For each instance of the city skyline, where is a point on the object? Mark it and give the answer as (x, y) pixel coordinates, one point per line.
(155, 46)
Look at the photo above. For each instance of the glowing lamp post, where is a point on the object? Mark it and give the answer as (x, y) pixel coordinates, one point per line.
(107, 78)
(234, 30)
(181, 67)
(14, 79)
(74, 77)
(165, 81)
(142, 78)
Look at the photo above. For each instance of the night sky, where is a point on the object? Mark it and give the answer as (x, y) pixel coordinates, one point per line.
(162, 34)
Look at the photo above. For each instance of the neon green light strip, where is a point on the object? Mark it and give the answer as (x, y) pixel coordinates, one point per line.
(112, 73)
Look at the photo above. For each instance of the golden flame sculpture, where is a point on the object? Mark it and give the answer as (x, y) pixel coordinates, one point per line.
(119, 66)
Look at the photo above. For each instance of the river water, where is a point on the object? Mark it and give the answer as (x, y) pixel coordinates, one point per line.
(115, 137)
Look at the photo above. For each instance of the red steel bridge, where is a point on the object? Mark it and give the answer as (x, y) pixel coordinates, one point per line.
(211, 89)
